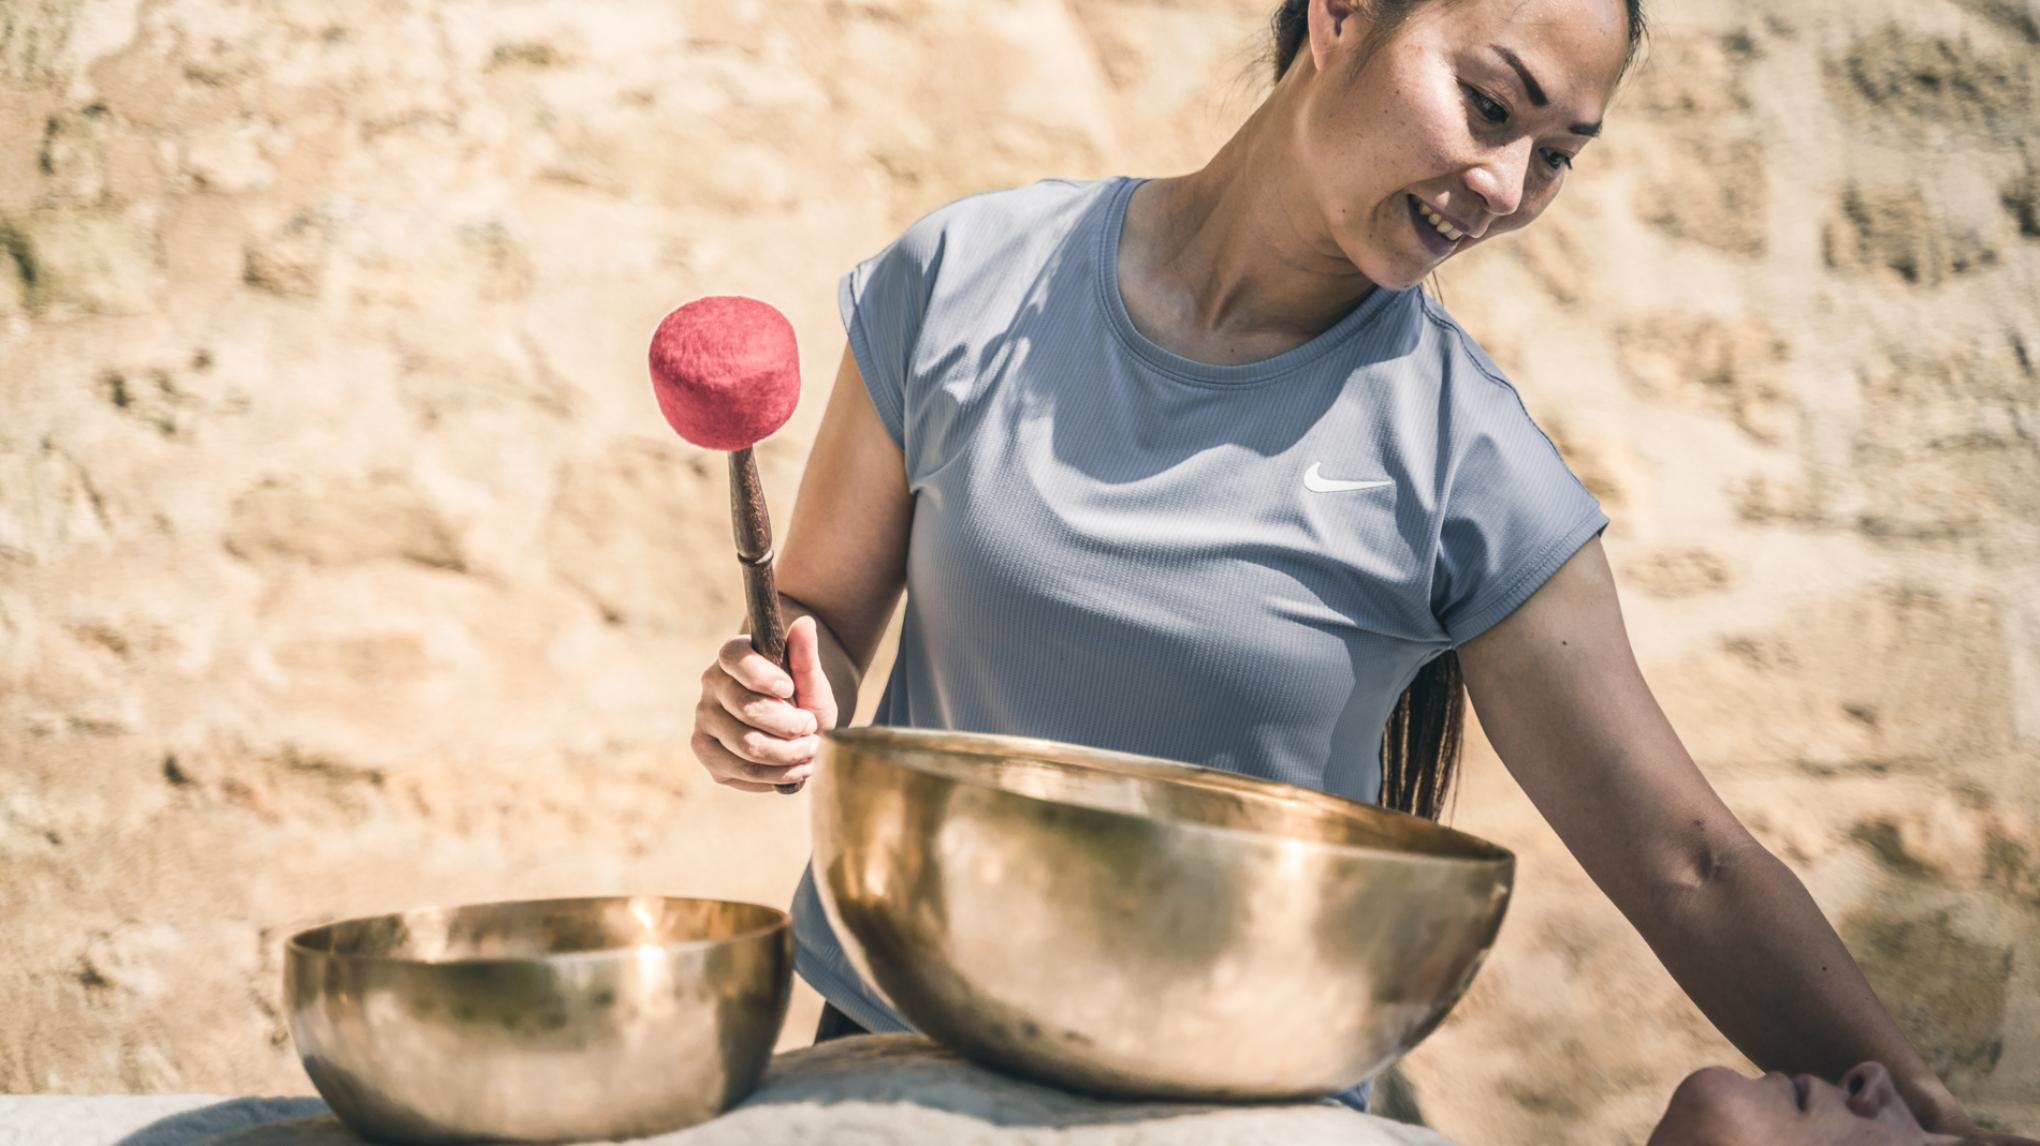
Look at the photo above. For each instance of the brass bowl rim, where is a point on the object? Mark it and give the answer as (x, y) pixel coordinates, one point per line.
(780, 921)
(1474, 850)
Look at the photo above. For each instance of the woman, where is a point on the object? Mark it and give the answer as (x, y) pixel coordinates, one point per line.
(1189, 467)
(1718, 1107)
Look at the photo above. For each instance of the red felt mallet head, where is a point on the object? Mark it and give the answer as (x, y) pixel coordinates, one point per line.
(726, 371)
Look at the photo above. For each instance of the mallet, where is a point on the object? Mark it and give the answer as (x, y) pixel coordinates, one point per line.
(726, 373)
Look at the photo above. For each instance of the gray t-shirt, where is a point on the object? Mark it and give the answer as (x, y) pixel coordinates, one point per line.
(1113, 545)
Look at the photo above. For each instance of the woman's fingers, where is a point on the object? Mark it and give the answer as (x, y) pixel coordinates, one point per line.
(754, 729)
(753, 745)
(751, 669)
(765, 713)
(728, 767)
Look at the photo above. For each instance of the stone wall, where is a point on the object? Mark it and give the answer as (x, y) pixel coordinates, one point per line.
(345, 563)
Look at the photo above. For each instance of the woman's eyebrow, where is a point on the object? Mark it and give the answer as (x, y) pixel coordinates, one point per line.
(1535, 91)
(1530, 87)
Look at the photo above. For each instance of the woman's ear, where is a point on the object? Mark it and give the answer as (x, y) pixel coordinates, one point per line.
(1333, 26)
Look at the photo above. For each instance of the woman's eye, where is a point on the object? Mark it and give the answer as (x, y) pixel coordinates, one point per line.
(1557, 160)
(1488, 109)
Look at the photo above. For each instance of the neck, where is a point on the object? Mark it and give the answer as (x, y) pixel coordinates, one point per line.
(1239, 247)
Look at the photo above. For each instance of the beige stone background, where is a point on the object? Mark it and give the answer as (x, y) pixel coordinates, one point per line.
(345, 564)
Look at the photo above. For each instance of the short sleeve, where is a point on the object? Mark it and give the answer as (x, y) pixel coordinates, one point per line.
(1513, 514)
(883, 301)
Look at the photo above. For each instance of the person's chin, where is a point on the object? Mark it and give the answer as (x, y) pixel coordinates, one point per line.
(1401, 276)
(1398, 270)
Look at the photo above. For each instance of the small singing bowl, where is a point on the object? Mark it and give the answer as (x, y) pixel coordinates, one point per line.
(1139, 928)
(544, 1021)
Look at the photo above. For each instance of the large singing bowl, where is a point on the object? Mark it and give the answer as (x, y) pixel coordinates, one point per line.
(561, 1020)
(1134, 927)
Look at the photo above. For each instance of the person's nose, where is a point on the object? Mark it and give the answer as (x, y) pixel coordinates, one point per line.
(1499, 177)
(1870, 1089)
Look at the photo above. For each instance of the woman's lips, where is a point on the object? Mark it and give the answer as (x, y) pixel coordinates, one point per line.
(1795, 1088)
(1427, 231)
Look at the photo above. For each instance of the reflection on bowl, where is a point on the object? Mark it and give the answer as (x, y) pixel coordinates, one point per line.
(1131, 926)
(543, 1021)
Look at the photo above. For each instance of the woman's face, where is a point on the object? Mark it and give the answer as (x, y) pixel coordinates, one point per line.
(1468, 115)
(1718, 1107)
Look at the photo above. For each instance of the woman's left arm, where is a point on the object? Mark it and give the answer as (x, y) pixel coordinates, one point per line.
(1560, 696)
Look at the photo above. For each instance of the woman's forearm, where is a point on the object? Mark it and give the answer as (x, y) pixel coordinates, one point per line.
(1753, 950)
(1561, 697)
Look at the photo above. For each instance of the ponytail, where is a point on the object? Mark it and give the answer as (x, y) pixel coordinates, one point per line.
(1420, 743)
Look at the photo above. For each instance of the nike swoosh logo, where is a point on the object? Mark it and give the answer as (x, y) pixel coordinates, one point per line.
(1317, 482)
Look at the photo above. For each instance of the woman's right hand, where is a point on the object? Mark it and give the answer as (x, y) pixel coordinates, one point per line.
(758, 726)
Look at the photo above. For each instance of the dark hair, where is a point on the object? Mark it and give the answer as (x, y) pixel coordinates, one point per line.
(1292, 21)
(1420, 743)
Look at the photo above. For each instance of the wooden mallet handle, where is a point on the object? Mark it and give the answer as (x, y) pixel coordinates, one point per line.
(753, 528)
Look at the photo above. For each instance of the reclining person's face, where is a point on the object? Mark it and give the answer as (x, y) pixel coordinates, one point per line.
(1718, 1107)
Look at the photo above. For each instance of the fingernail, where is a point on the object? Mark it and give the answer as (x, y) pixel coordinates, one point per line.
(782, 689)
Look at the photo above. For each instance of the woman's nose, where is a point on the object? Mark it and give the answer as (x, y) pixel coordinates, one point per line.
(1870, 1089)
(1498, 180)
